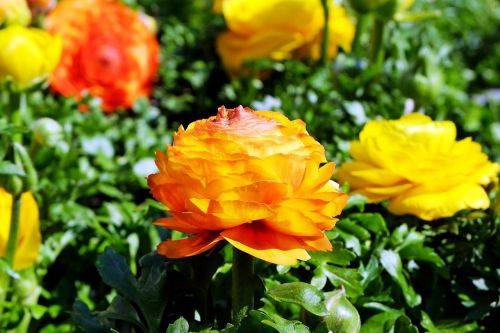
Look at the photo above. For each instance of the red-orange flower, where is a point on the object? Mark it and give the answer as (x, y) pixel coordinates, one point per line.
(108, 52)
(252, 178)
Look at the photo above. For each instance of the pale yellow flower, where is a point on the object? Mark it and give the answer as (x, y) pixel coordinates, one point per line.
(29, 238)
(419, 167)
(14, 12)
(27, 55)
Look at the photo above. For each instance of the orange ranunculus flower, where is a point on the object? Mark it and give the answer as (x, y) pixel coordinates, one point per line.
(108, 51)
(418, 165)
(252, 178)
(279, 29)
(29, 237)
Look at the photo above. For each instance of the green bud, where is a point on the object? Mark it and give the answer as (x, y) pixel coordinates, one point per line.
(47, 132)
(13, 185)
(343, 316)
(27, 287)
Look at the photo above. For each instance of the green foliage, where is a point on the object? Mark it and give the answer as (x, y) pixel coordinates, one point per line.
(400, 274)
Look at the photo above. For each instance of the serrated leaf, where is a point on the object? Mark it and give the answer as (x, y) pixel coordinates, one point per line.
(303, 294)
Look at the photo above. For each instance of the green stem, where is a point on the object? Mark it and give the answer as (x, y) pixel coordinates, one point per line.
(11, 248)
(363, 21)
(14, 230)
(377, 43)
(243, 275)
(325, 42)
(20, 114)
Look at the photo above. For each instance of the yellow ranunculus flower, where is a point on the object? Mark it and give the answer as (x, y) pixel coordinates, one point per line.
(14, 12)
(278, 29)
(29, 238)
(418, 165)
(27, 55)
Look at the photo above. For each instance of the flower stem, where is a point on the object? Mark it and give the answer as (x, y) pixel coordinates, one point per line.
(363, 21)
(377, 43)
(326, 37)
(243, 274)
(14, 229)
(11, 248)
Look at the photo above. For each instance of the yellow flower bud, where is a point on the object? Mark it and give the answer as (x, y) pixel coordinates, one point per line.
(27, 55)
(29, 238)
(14, 12)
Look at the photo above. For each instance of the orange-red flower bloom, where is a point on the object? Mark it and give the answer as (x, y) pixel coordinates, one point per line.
(108, 51)
(252, 178)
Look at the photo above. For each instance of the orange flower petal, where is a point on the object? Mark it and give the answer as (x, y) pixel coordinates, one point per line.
(189, 246)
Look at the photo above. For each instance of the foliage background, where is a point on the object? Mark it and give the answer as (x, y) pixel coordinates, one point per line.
(400, 273)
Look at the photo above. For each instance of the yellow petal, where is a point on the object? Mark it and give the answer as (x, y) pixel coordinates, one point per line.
(29, 237)
(432, 206)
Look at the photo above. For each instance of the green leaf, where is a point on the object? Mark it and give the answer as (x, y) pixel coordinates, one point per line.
(447, 326)
(371, 221)
(309, 297)
(403, 325)
(349, 278)
(121, 309)
(338, 256)
(253, 323)
(417, 251)
(12, 129)
(353, 229)
(115, 272)
(391, 262)
(380, 323)
(10, 169)
(342, 315)
(82, 317)
(179, 326)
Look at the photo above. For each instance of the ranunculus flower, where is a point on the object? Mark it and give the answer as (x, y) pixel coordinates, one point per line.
(252, 178)
(29, 238)
(279, 29)
(108, 52)
(14, 12)
(27, 55)
(419, 166)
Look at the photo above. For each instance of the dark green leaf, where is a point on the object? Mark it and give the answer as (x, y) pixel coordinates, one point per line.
(82, 317)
